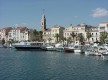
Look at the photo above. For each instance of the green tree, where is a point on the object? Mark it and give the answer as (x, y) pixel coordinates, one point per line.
(73, 35)
(57, 37)
(80, 37)
(35, 32)
(69, 39)
(88, 35)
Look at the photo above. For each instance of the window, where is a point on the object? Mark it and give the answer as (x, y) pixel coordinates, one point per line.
(42, 23)
(92, 39)
(67, 33)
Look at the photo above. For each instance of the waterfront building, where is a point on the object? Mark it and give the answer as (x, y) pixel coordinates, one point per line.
(4, 33)
(47, 35)
(94, 34)
(67, 31)
(19, 33)
(83, 29)
(56, 30)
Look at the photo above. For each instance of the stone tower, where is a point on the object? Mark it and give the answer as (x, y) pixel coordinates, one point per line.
(43, 22)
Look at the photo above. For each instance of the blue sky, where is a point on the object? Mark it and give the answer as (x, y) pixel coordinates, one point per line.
(60, 12)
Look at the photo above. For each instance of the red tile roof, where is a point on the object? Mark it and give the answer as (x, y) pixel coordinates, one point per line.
(20, 27)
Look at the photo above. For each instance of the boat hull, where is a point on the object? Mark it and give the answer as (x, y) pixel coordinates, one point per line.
(68, 50)
(28, 48)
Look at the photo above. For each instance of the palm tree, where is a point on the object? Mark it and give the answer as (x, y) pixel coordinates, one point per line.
(49, 39)
(88, 35)
(57, 37)
(3, 41)
(80, 37)
(61, 38)
(35, 34)
(103, 36)
(73, 35)
(69, 40)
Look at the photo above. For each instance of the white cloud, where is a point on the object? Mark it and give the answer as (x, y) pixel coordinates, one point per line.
(100, 12)
(75, 16)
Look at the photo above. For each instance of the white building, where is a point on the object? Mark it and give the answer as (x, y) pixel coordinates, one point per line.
(4, 33)
(82, 28)
(67, 32)
(18, 34)
(95, 34)
(56, 29)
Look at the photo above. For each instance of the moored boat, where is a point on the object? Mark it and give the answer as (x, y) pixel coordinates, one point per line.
(69, 49)
(59, 47)
(29, 46)
(50, 48)
(79, 49)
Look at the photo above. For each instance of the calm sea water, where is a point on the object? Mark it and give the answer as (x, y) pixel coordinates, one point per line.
(44, 65)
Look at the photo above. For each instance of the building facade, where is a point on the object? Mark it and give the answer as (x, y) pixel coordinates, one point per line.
(19, 33)
(82, 29)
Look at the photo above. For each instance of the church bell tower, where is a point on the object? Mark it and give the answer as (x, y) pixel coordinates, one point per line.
(43, 22)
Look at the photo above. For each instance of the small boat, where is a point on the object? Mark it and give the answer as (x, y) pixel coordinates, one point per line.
(50, 48)
(79, 49)
(91, 51)
(102, 49)
(29, 46)
(59, 47)
(105, 55)
(69, 49)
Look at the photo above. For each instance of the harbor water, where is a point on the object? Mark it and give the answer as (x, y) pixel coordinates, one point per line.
(50, 65)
